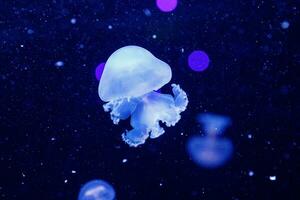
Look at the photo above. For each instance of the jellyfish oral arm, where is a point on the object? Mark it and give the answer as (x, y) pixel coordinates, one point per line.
(120, 109)
(152, 108)
(135, 137)
(180, 97)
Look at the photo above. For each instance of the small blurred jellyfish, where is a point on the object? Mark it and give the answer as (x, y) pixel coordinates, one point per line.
(97, 190)
(166, 5)
(198, 61)
(211, 150)
(213, 123)
(129, 83)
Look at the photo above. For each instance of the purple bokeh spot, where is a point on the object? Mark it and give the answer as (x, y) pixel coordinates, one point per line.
(198, 61)
(166, 5)
(99, 71)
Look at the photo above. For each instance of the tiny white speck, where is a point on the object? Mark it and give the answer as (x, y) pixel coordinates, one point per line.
(53, 139)
(73, 172)
(154, 36)
(110, 27)
(124, 160)
(272, 178)
(66, 181)
(73, 21)
(22, 45)
(249, 136)
(160, 184)
(181, 134)
(251, 173)
(59, 64)
(182, 50)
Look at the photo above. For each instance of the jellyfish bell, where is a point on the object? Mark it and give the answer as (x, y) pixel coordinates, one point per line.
(129, 83)
(97, 190)
(132, 71)
(209, 152)
(213, 123)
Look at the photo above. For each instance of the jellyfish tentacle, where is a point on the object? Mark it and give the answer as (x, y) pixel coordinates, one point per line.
(135, 137)
(120, 108)
(180, 97)
(156, 131)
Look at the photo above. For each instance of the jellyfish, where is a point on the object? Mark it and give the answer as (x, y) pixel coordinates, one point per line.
(213, 123)
(129, 84)
(209, 152)
(97, 190)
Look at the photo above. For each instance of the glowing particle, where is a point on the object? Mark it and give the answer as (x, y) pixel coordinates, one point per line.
(272, 178)
(99, 71)
(59, 64)
(249, 136)
(110, 27)
(66, 180)
(73, 21)
(251, 173)
(30, 31)
(129, 84)
(166, 5)
(209, 152)
(73, 172)
(124, 160)
(97, 190)
(198, 61)
(154, 36)
(147, 12)
(22, 45)
(285, 24)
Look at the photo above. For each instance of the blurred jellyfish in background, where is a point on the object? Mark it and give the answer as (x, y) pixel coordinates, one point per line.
(97, 190)
(211, 150)
(129, 83)
(213, 123)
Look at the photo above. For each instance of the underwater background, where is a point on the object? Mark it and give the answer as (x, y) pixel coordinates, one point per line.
(55, 135)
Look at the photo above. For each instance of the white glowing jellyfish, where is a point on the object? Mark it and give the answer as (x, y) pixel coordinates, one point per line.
(97, 190)
(211, 150)
(129, 83)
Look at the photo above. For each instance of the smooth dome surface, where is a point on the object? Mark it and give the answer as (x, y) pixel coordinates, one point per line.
(132, 71)
(97, 190)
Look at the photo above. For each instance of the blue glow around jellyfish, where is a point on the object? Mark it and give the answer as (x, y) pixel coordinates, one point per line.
(209, 152)
(129, 83)
(213, 123)
(97, 190)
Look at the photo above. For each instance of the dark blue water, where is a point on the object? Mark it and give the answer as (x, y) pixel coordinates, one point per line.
(55, 136)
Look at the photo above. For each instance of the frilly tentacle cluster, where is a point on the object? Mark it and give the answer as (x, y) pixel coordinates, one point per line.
(146, 112)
